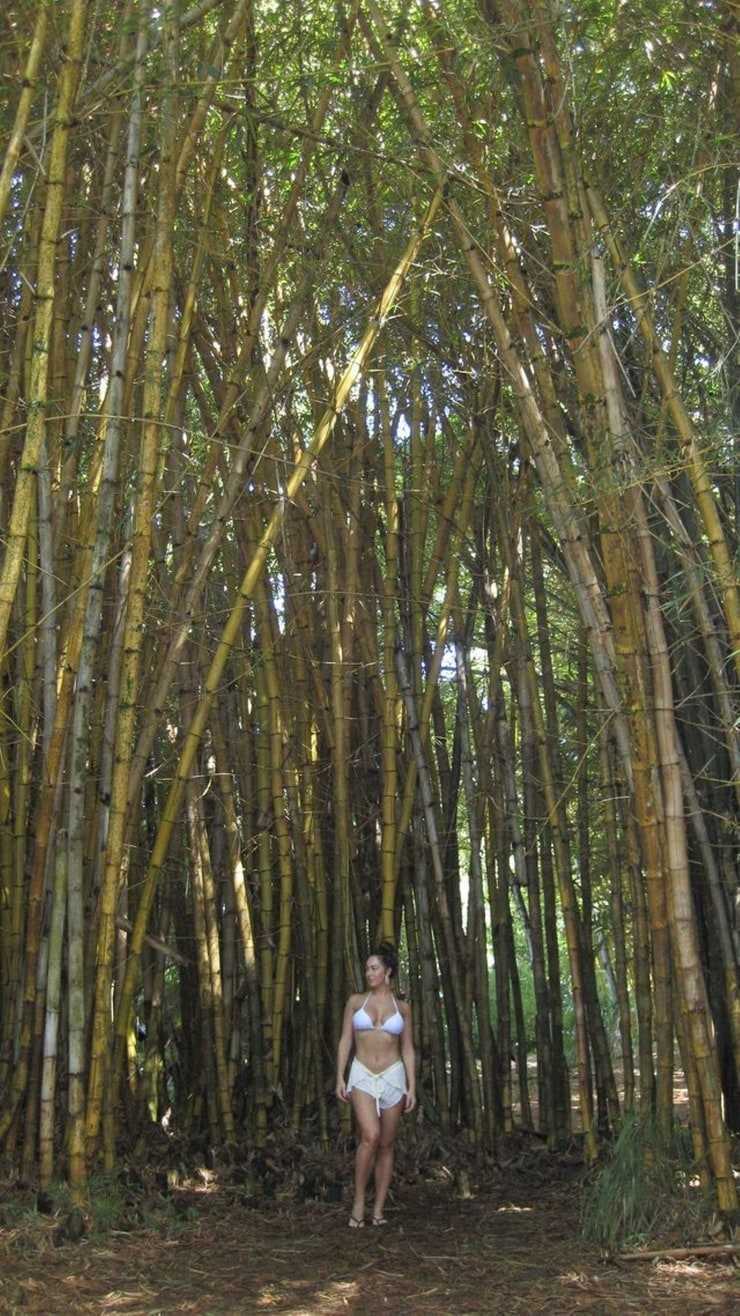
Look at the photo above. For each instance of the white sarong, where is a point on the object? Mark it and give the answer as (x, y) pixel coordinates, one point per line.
(388, 1087)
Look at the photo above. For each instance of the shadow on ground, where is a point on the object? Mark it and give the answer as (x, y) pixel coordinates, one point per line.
(512, 1248)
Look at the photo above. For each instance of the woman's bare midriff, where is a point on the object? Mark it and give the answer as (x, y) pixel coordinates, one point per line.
(376, 1050)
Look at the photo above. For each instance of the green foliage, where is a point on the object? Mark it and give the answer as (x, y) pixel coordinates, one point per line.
(644, 1187)
(114, 1202)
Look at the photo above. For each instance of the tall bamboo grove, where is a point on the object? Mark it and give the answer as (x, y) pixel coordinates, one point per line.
(369, 401)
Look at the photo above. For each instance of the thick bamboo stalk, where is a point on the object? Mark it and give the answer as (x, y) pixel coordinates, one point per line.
(23, 108)
(609, 814)
(81, 722)
(606, 1090)
(212, 961)
(630, 626)
(14, 371)
(51, 1027)
(244, 914)
(69, 456)
(147, 466)
(722, 924)
(43, 317)
(684, 940)
(693, 573)
(431, 1016)
(477, 941)
(265, 867)
(389, 832)
(341, 938)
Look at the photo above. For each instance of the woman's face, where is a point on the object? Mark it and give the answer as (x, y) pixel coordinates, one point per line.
(376, 972)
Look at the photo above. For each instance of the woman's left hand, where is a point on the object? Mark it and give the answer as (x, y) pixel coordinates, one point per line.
(409, 1102)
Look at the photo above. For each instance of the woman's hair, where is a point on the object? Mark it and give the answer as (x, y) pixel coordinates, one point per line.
(386, 952)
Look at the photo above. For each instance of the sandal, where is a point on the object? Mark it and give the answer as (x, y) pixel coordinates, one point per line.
(379, 1220)
(354, 1223)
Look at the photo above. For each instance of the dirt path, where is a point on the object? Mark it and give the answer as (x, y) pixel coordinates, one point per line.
(513, 1248)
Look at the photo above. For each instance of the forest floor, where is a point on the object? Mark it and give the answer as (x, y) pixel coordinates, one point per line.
(512, 1246)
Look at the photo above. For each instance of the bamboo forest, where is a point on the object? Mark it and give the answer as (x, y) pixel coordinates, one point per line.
(369, 516)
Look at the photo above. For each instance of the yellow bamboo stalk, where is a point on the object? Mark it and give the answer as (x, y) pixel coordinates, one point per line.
(147, 466)
(9, 950)
(243, 910)
(12, 381)
(205, 984)
(23, 108)
(625, 583)
(340, 778)
(51, 1026)
(264, 862)
(284, 929)
(389, 840)
(43, 318)
(682, 910)
(215, 995)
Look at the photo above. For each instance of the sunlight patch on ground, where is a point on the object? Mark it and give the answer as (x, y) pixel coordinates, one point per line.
(330, 1298)
(577, 1279)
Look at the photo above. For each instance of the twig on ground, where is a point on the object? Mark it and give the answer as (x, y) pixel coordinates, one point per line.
(681, 1253)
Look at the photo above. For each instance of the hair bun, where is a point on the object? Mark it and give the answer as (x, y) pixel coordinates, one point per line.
(387, 952)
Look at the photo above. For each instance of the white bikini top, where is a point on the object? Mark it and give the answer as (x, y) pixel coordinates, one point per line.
(362, 1023)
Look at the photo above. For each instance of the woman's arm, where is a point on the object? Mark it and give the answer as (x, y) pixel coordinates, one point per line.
(344, 1048)
(408, 1055)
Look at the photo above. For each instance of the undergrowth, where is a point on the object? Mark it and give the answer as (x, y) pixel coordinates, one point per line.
(124, 1202)
(647, 1188)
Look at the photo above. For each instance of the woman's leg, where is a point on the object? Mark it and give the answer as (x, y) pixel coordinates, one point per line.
(389, 1121)
(368, 1130)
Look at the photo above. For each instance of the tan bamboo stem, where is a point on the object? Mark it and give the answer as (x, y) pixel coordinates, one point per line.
(389, 836)
(23, 108)
(684, 940)
(43, 317)
(147, 465)
(609, 814)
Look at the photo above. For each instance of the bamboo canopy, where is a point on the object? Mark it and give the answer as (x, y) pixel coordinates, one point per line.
(370, 498)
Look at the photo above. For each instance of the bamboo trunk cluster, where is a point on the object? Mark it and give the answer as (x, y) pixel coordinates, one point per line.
(366, 571)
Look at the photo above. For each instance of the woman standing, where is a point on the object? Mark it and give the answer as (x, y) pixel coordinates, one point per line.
(382, 1078)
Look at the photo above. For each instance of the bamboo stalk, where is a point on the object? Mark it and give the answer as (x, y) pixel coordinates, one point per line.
(43, 316)
(23, 108)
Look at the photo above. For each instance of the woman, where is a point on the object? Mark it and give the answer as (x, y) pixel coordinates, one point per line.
(382, 1078)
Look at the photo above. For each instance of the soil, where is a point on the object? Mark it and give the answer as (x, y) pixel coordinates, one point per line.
(512, 1247)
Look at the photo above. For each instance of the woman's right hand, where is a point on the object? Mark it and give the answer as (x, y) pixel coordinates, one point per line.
(341, 1090)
